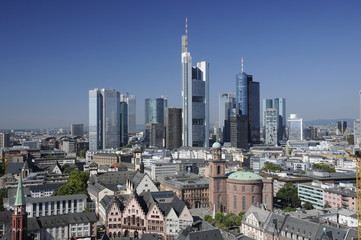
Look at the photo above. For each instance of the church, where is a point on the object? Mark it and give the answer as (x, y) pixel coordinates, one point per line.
(237, 191)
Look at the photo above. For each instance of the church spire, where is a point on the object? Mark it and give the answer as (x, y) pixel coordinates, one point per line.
(20, 197)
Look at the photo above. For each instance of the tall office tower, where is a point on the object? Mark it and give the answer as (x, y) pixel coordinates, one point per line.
(154, 120)
(271, 126)
(311, 133)
(341, 126)
(247, 97)
(4, 140)
(104, 119)
(295, 127)
(238, 129)
(77, 130)
(132, 108)
(123, 111)
(195, 99)
(357, 131)
(227, 101)
(173, 126)
(280, 105)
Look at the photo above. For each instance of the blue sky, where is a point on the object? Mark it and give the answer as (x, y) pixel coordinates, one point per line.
(53, 52)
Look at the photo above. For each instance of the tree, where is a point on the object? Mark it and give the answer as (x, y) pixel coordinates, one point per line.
(289, 209)
(77, 183)
(308, 206)
(323, 167)
(289, 195)
(270, 167)
(67, 168)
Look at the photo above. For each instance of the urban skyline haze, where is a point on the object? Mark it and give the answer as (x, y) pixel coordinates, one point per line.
(53, 52)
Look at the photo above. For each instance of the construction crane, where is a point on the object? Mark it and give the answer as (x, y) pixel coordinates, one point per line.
(358, 193)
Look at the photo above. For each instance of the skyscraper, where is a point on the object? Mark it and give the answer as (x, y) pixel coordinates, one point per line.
(295, 128)
(77, 130)
(271, 126)
(132, 108)
(227, 101)
(123, 111)
(248, 102)
(4, 140)
(341, 126)
(280, 105)
(195, 99)
(173, 125)
(154, 120)
(104, 119)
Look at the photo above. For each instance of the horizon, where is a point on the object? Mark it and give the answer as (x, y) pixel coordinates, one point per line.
(53, 53)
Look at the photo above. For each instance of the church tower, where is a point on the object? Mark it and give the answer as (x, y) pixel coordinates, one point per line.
(138, 159)
(217, 180)
(19, 215)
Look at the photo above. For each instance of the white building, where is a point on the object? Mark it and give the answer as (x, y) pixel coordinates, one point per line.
(162, 169)
(295, 127)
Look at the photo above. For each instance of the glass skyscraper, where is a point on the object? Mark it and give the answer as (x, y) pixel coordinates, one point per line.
(104, 119)
(154, 120)
(132, 108)
(248, 102)
(295, 128)
(280, 105)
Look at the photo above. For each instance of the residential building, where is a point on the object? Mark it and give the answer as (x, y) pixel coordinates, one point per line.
(173, 126)
(104, 119)
(295, 128)
(238, 191)
(189, 187)
(140, 182)
(248, 102)
(195, 99)
(77, 129)
(341, 197)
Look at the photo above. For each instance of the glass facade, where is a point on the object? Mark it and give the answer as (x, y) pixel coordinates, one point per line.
(104, 119)
(154, 110)
(295, 128)
(242, 92)
(123, 123)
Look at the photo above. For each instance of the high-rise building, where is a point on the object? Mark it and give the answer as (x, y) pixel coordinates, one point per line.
(132, 108)
(280, 105)
(123, 111)
(295, 127)
(104, 119)
(227, 101)
(154, 120)
(238, 125)
(271, 126)
(248, 102)
(195, 99)
(341, 126)
(4, 140)
(173, 126)
(77, 130)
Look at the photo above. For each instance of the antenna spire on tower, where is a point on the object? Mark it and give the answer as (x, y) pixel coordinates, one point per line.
(186, 26)
(242, 64)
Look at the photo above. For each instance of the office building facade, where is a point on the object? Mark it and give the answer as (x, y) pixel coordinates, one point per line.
(104, 119)
(77, 130)
(279, 104)
(124, 124)
(154, 120)
(173, 128)
(271, 126)
(132, 111)
(295, 127)
(4, 140)
(227, 102)
(195, 99)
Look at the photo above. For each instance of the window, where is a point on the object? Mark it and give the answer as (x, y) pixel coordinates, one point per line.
(253, 199)
(243, 188)
(218, 169)
(234, 201)
(234, 188)
(243, 203)
(219, 186)
(253, 188)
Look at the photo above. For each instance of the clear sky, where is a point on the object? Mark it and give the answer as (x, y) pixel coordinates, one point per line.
(53, 52)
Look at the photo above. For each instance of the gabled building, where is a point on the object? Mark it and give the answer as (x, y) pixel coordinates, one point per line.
(140, 182)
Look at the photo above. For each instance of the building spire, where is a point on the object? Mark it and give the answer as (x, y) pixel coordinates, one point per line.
(242, 64)
(20, 197)
(187, 27)
(185, 39)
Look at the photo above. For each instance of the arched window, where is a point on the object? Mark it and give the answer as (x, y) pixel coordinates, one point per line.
(267, 201)
(253, 188)
(218, 169)
(219, 186)
(243, 188)
(219, 201)
(234, 201)
(243, 203)
(253, 199)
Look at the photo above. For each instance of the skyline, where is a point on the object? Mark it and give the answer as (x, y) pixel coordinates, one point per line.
(53, 53)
